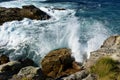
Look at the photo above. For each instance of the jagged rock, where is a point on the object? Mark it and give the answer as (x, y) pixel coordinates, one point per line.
(77, 76)
(59, 63)
(4, 59)
(29, 11)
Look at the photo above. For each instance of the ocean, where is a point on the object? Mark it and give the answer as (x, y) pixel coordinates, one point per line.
(82, 27)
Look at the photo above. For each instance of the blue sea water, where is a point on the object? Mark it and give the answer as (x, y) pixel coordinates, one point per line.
(82, 27)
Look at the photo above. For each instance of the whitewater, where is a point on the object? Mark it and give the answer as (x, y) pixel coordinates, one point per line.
(35, 38)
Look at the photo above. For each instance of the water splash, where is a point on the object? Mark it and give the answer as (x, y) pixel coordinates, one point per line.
(34, 39)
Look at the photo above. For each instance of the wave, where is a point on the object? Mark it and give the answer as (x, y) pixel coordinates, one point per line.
(35, 38)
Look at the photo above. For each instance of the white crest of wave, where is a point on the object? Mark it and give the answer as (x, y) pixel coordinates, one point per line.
(63, 30)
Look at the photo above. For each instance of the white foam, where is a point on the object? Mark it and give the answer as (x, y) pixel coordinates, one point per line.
(64, 29)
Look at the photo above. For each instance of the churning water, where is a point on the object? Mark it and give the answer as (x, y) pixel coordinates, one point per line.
(82, 27)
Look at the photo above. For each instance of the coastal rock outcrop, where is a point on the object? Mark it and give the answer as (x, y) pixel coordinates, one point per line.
(29, 11)
(110, 48)
(59, 63)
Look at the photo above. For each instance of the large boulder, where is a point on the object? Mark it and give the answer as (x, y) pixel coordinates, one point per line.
(4, 59)
(58, 63)
(29, 11)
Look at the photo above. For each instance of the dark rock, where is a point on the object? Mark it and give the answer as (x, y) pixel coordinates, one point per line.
(4, 59)
(30, 11)
(26, 62)
(12, 66)
(59, 8)
(9, 69)
(59, 63)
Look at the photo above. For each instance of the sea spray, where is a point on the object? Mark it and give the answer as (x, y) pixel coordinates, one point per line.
(34, 39)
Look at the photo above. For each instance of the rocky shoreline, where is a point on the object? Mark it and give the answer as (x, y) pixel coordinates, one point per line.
(103, 64)
(60, 65)
(29, 11)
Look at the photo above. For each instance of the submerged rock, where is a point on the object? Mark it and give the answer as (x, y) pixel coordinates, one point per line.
(59, 63)
(4, 59)
(29, 11)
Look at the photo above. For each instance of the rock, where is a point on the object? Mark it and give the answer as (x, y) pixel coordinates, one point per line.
(112, 42)
(59, 63)
(9, 69)
(4, 59)
(29, 11)
(29, 70)
(77, 76)
(59, 9)
(26, 62)
(12, 66)
(29, 73)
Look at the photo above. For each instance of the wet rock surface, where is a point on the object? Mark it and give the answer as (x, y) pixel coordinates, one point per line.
(29, 11)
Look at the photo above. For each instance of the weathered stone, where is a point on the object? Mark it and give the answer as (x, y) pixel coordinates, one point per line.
(59, 63)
